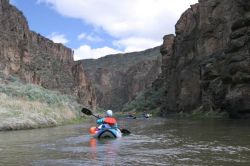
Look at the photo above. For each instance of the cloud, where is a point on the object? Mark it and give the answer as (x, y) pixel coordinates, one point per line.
(81, 36)
(89, 37)
(86, 52)
(136, 44)
(123, 18)
(129, 22)
(13, 2)
(58, 38)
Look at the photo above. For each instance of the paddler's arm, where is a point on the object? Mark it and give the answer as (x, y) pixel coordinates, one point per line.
(100, 121)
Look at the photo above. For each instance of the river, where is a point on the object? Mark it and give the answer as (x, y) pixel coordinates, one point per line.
(153, 141)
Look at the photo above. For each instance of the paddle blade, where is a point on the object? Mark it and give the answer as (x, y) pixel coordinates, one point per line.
(86, 111)
(125, 131)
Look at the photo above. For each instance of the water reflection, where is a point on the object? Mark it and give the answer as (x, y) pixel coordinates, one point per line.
(104, 151)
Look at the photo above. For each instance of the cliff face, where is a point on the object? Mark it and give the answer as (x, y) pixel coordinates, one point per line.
(207, 64)
(37, 59)
(119, 78)
(83, 87)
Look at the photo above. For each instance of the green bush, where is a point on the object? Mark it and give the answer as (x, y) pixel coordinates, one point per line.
(148, 100)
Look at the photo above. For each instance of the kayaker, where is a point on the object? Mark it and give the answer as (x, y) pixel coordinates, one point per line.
(146, 115)
(108, 122)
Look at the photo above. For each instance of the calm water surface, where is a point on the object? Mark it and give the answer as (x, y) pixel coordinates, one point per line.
(152, 142)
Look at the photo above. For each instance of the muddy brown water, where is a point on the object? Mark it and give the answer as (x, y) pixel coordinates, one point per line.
(153, 141)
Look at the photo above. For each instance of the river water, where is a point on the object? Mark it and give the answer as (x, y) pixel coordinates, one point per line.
(152, 142)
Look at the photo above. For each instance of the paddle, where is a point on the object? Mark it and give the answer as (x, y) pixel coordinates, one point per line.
(89, 112)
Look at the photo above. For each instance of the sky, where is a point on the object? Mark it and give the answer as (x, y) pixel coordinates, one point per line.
(95, 28)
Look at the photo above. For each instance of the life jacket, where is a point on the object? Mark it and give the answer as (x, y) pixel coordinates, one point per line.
(109, 120)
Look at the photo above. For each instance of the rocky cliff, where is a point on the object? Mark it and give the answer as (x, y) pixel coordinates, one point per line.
(119, 78)
(37, 59)
(206, 65)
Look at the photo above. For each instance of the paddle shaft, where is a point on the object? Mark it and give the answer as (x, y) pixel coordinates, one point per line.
(95, 116)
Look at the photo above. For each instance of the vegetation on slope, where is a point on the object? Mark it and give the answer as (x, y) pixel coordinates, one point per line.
(26, 106)
(149, 101)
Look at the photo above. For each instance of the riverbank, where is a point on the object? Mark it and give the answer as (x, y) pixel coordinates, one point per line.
(198, 113)
(28, 106)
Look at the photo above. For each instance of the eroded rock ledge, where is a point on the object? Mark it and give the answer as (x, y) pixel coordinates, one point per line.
(207, 64)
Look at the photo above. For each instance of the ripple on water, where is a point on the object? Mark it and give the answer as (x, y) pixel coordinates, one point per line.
(74, 149)
(64, 162)
(76, 140)
(172, 143)
(218, 148)
(48, 146)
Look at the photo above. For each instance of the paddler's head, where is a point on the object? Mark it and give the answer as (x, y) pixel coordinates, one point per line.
(109, 113)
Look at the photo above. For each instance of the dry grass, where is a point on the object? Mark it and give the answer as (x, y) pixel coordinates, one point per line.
(22, 114)
(30, 106)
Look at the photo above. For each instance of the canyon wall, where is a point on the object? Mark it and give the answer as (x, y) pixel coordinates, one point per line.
(119, 78)
(206, 66)
(36, 59)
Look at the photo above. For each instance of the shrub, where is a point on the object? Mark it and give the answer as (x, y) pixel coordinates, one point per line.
(25, 106)
(148, 100)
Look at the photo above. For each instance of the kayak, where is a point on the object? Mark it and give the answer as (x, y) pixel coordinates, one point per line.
(147, 115)
(102, 132)
(108, 133)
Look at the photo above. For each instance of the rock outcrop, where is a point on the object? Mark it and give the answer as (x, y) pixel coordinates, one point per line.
(119, 78)
(83, 87)
(207, 64)
(37, 59)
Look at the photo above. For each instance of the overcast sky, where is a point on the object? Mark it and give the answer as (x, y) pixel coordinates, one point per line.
(95, 28)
